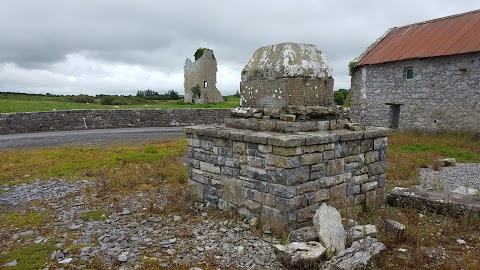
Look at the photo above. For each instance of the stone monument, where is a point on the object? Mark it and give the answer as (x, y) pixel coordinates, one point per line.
(287, 149)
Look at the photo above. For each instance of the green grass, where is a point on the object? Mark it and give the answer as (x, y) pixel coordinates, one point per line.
(22, 221)
(460, 154)
(22, 103)
(138, 164)
(29, 257)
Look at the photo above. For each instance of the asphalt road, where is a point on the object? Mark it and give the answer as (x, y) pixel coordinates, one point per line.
(88, 137)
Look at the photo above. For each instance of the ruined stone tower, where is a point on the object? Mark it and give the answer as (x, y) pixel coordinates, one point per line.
(201, 78)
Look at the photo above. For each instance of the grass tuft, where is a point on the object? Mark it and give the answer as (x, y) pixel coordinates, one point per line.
(30, 257)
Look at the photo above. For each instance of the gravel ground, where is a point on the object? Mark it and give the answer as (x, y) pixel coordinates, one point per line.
(450, 178)
(136, 231)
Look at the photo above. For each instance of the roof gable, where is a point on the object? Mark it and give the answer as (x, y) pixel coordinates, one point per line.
(444, 36)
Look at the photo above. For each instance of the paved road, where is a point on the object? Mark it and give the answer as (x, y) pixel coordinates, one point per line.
(88, 137)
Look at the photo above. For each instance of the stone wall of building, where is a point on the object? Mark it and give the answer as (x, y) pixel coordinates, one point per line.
(283, 178)
(444, 93)
(11, 123)
(202, 72)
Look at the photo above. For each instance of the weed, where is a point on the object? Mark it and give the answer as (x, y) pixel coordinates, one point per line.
(438, 184)
(95, 215)
(151, 150)
(284, 239)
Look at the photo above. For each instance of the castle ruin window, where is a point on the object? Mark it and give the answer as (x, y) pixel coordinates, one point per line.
(205, 84)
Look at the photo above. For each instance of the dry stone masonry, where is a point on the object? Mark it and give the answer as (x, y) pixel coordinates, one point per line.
(280, 161)
(201, 79)
(11, 123)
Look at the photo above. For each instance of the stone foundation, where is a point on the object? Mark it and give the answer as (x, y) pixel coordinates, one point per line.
(282, 178)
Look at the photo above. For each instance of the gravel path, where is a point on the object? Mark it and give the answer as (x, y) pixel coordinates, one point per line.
(450, 178)
(137, 231)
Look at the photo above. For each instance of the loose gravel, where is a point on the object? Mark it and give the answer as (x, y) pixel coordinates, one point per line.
(450, 178)
(136, 231)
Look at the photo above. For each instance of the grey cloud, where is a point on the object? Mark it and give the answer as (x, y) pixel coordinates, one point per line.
(159, 35)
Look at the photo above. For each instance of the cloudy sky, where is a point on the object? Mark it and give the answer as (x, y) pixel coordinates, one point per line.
(121, 46)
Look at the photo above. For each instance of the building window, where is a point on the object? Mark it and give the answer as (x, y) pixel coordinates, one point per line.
(205, 84)
(409, 73)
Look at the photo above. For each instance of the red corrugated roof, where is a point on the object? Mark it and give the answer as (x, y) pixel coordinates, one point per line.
(444, 36)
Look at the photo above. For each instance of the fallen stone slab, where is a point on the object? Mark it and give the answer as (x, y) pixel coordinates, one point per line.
(434, 201)
(465, 191)
(361, 231)
(394, 227)
(299, 255)
(305, 234)
(355, 257)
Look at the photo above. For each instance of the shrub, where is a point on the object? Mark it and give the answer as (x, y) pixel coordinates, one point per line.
(196, 90)
(83, 99)
(107, 100)
(199, 53)
(119, 101)
(351, 67)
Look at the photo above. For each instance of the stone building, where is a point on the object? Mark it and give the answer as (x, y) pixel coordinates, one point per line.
(288, 149)
(423, 76)
(201, 78)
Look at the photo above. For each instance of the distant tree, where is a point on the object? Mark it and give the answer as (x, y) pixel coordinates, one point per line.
(173, 95)
(146, 93)
(237, 94)
(338, 98)
(342, 97)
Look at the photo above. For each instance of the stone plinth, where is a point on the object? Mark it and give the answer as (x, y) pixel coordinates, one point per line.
(283, 178)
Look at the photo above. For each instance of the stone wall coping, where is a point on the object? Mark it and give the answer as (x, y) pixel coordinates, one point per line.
(283, 139)
(108, 110)
(61, 120)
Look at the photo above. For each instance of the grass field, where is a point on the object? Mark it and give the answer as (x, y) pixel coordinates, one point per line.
(30, 103)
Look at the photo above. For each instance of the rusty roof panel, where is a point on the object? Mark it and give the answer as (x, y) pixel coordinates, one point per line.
(444, 36)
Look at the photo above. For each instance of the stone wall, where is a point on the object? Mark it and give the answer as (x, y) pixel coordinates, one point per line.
(97, 119)
(283, 178)
(443, 95)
